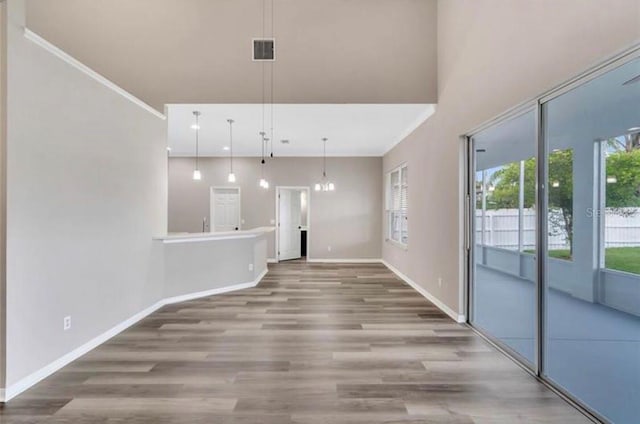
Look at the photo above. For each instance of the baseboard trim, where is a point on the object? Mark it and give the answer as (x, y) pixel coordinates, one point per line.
(345, 261)
(34, 378)
(431, 298)
(212, 292)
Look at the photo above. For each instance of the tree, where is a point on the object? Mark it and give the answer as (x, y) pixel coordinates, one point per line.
(622, 189)
(623, 177)
(627, 142)
(506, 183)
(561, 195)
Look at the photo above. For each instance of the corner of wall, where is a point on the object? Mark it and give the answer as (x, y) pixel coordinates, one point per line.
(3, 193)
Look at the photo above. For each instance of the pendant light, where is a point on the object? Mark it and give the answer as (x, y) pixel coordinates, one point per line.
(197, 176)
(232, 177)
(263, 182)
(324, 184)
(273, 70)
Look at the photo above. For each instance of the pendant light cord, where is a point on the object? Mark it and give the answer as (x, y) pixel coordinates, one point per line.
(324, 159)
(230, 145)
(197, 138)
(264, 13)
(273, 66)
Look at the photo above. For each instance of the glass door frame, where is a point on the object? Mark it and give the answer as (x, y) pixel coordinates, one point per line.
(470, 232)
(541, 255)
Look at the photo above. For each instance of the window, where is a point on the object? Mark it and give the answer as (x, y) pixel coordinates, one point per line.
(621, 203)
(397, 186)
(505, 210)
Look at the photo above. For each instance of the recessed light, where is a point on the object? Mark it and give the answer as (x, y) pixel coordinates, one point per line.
(225, 148)
(195, 127)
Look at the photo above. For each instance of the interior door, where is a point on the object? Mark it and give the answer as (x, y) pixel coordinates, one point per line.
(225, 209)
(289, 224)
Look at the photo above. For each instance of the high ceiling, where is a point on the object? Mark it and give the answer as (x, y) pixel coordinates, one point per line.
(352, 130)
(199, 51)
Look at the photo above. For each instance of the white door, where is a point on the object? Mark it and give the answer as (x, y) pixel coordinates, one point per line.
(289, 224)
(225, 209)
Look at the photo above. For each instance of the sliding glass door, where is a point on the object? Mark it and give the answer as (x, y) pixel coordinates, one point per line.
(504, 271)
(592, 284)
(555, 229)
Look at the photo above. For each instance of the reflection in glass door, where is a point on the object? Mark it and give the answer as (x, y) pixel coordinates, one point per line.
(585, 305)
(504, 273)
(592, 284)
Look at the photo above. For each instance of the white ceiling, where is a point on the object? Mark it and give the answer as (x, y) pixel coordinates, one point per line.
(351, 129)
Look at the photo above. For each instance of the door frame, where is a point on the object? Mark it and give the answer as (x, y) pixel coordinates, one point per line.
(212, 212)
(308, 226)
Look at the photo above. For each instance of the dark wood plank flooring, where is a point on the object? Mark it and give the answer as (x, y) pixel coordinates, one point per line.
(313, 343)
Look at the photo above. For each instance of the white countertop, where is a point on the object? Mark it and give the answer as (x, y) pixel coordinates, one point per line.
(226, 235)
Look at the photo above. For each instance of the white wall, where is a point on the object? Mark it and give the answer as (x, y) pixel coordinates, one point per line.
(86, 191)
(202, 266)
(492, 55)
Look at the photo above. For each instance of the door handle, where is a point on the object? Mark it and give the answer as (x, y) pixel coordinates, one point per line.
(299, 227)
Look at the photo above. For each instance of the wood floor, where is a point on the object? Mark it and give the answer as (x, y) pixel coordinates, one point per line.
(313, 343)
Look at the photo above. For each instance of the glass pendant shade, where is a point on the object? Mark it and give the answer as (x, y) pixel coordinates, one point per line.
(324, 184)
(197, 176)
(263, 142)
(232, 177)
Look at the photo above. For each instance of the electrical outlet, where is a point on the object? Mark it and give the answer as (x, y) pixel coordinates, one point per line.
(242, 221)
(439, 281)
(273, 221)
(250, 267)
(328, 248)
(66, 325)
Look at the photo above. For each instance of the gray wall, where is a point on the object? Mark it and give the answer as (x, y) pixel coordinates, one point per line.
(492, 55)
(348, 219)
(199, 51)
(86, 191)
(3, 191)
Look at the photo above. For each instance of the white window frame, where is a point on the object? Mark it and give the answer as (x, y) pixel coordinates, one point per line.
(396, 215)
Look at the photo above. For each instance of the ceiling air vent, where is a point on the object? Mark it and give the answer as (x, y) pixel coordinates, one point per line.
(264, 49)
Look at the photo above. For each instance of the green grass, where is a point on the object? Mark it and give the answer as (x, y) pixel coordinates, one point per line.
(625, 259)
(560, 254)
